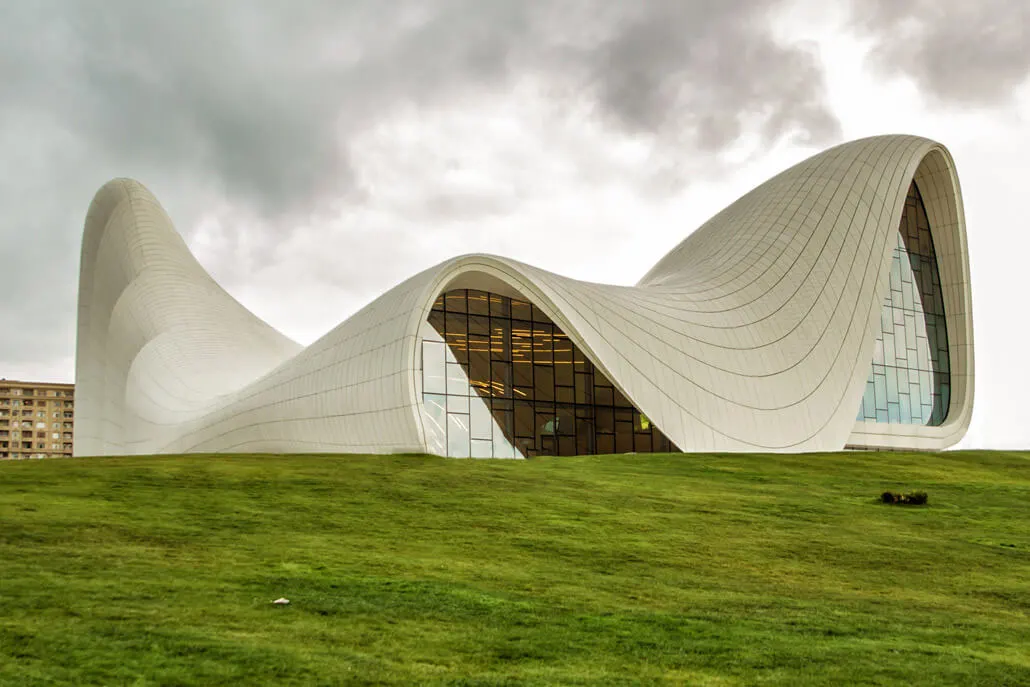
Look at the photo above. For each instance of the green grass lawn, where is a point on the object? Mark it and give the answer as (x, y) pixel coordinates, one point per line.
(683, 569)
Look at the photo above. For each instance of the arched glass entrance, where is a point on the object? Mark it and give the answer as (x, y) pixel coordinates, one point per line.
(500, 379)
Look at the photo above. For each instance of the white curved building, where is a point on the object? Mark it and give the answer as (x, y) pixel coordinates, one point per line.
(828, 308)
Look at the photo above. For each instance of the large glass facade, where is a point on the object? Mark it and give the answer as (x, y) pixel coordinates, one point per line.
(502, 380)
(910, 380)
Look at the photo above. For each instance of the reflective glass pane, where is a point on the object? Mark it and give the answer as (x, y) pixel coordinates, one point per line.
(910, 366)
(434, 375)
(436, 411)
(457, 381)
(457, 435)
(482, 423)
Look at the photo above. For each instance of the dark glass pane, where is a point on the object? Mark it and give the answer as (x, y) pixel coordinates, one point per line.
(566, 420)
(436, 319)
(623, 437)
(500, 306)
(479, 325)
(478, 303)
(584, 389)
(539, 316)
(543, 376)
(479, 364)
(457, 336)
(524, 419)
(543, 346)
(500, 339)
(584, 436)
(548, 445)
(455, 301)
(546, 421)
(500, 382)
(521, 310)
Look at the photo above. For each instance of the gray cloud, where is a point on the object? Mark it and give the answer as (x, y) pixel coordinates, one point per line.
(958, 52)
(254, 105)
(259, 99)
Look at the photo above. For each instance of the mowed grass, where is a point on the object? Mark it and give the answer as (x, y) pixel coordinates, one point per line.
(681, 569)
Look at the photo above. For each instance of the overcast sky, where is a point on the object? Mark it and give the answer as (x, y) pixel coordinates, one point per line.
(315, 153)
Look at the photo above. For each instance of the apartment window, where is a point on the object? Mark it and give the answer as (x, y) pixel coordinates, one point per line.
(68, 404)
(53, 393)
(67, 425)
(41, 435)
(27, 403)
(67, 435)
(40, 413)
(67, 447)
(16, 392)
(57, 415)
(55, 435)
(16, 403)
(69, 415)
(40, 425)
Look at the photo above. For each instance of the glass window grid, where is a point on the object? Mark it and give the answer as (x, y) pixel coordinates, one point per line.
(910, 379)
(544, 397)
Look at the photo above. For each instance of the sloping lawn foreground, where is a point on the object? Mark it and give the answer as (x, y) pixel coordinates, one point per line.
(684, 569)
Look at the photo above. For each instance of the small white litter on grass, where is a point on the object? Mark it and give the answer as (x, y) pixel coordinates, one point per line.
(281, 601)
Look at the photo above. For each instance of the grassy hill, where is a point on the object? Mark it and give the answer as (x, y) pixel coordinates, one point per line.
(693, 569)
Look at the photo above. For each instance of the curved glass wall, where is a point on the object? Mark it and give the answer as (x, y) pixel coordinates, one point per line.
(500, 379)
(910, 380)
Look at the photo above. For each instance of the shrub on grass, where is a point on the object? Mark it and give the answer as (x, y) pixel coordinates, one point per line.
(916, 498)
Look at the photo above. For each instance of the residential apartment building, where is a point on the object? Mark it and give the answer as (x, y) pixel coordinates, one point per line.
(37, 419)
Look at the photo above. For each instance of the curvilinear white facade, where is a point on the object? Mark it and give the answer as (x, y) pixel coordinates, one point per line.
(828, 308)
